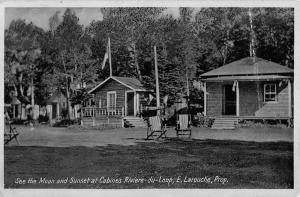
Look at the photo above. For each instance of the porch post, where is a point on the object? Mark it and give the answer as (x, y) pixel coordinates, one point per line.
(134, 101)
(138, 102)
(204, 112)
(125, 104)
(237, 99)
(290, 98)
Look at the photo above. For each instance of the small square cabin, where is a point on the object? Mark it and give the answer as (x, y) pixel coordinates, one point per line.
(251, 87)
(118, 96)
(57, 106)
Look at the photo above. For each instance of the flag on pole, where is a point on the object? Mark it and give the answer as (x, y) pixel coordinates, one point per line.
(104, 60)
(197, 84)
(107, 55)
(166, 99)
(150, 98)
(234, 86)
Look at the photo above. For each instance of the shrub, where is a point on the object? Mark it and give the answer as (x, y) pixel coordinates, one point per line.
(43, 118)
(202, 121)
(65, 123)
(264, 123)
(64, 113)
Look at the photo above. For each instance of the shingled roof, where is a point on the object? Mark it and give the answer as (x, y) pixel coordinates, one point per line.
(131, 83)
(249, 66)
(57, 97)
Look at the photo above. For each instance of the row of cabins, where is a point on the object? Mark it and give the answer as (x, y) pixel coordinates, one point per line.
(250, 88)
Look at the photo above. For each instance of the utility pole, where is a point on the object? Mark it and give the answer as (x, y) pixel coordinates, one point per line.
(32, 100)
(156, 82)
(32, 92)
(187, 92)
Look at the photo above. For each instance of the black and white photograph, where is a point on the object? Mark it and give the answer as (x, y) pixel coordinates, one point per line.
(149, 97)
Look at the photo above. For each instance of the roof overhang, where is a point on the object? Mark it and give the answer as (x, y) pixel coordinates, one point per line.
(113, 78)
(247, 78)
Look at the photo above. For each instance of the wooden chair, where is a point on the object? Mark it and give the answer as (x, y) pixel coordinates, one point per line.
(11, 134)
(183, 126)
(156, 128)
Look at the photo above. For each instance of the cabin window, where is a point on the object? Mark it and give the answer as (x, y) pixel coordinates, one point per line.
(270, 92)
(111, 100)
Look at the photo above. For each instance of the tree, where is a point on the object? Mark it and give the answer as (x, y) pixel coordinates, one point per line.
(22, 55)
(126, 28)
(274, 29)
(195, 42)
(67, 51)
(224, 35)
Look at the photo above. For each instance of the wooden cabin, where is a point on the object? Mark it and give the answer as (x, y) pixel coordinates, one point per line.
(115, 98)
(56, 104)
(250, 88)
(16, 106)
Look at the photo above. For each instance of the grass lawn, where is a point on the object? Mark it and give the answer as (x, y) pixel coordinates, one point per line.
(168, 164)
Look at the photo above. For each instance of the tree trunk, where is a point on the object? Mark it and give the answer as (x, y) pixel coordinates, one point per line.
(67, 91)
(69, 107)
(137, 66)
(32, 100)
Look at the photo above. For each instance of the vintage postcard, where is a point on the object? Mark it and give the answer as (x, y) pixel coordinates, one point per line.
(151, 98)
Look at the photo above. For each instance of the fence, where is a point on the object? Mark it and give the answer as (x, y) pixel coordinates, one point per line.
(102, 112)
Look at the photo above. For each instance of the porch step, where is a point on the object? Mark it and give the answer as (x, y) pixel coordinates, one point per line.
(224, 123)
(134, 122)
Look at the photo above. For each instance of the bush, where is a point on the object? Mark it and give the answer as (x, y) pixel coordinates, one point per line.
(202, 121)
(257, 123)
(65, 123)
(43, 118)
(18, 121)
(64, 113)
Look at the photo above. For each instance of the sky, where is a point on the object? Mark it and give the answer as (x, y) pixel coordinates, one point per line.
(40, 16)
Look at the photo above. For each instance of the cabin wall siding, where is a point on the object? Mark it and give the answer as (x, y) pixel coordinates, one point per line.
(214, 99)
(111, 85)
(251, 99)
(277, 109)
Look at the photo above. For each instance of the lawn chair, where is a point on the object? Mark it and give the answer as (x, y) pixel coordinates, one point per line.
(11, 134)
(183, 126)
(155, 128)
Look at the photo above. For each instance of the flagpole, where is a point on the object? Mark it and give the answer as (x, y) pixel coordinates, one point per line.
(109, 58)
(156, 81)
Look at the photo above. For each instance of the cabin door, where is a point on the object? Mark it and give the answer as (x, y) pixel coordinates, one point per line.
(54, 110)
(130, 103)
(229, 100)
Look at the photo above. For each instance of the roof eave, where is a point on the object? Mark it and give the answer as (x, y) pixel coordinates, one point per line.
(93, 89)
(111, 77)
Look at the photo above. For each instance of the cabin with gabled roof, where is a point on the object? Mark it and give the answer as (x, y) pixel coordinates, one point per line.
(115, 98)
(249, 88)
